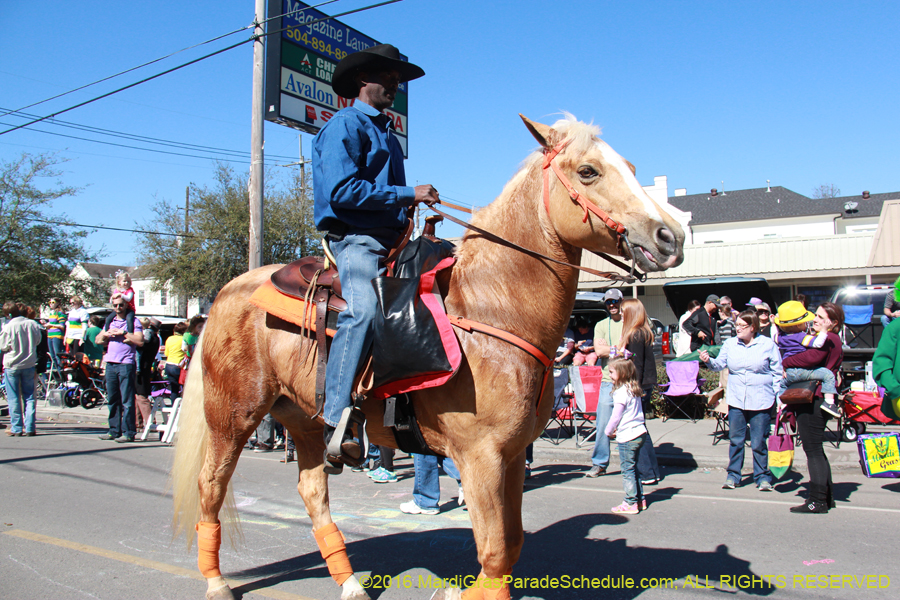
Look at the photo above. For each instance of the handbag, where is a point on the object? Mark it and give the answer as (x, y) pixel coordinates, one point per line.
(802, 392)
(182, 377)
(781, 446)
(879, 454)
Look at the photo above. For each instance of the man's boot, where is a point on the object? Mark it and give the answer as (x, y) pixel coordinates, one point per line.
(350, 451)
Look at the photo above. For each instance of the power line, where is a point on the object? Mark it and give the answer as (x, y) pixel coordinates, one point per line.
(173, 69)
(66, 224)
(139, 138)
(146, 64)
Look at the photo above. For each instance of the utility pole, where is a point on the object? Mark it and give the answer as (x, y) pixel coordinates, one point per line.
(183, 299)
(256, 143)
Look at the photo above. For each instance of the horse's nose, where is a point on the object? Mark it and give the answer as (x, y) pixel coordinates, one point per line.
(665, 240)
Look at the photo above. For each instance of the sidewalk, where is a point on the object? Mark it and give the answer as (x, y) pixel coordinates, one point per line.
(677, 443)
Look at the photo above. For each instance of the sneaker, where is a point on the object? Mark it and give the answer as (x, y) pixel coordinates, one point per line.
(831, 408)
(124, 439)
(105, 436)
(649, 481)
(260, 447)
(766, 486)
(411, 508)
(382, 475)
(643, 504)
(357, 469)
(596, 471)
(30, 433)
(729, 485)
(811, 507)
(527, 471)
(461, 499)
(12, 433)
(288, 457)
(626, 509)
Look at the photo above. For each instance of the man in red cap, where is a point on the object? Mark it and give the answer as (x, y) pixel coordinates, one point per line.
(361, 201)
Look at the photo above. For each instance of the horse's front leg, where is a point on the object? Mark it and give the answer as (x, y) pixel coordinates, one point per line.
(313, 488)
(494, 497)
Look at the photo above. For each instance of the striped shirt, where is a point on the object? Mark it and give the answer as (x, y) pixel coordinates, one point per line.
(754, 371)
(56, 324)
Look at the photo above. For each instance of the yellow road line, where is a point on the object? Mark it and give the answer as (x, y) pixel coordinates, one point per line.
(143, 562)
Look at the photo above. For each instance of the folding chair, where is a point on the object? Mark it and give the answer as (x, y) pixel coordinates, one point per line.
(718, 409)
(586, 386)
(561, 417)
(683, 387)
(858, 330)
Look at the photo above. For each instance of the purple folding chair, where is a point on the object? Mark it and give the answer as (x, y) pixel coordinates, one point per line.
(683, 387)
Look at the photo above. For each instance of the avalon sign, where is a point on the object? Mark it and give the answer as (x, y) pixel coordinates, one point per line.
(300, 63)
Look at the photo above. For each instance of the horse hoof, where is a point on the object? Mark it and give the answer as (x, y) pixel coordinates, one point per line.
(447, 594)
(221, 593)
(356, 595)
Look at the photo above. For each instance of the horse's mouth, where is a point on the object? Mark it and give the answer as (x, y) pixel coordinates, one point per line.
(646, 261)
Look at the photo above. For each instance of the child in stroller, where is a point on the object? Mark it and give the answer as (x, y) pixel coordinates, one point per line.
(85, 381)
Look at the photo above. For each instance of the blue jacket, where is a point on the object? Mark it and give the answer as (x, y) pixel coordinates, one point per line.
(754, 371)
(358, 177)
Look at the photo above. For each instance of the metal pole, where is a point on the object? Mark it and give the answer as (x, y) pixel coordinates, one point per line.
(183, 300)
(302, 169)
(256, 144)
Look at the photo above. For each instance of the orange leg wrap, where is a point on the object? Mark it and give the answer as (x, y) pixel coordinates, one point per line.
(331, 545)
(486, 588)
(209, 538)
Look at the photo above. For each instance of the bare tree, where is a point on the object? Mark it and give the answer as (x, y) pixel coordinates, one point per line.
(826, 190)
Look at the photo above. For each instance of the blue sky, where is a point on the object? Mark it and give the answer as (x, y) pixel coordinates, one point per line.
(799, 93)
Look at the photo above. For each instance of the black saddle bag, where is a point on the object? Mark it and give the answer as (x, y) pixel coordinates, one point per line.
(407, 341)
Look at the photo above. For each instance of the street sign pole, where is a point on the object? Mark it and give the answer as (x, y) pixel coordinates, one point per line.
(256, 143)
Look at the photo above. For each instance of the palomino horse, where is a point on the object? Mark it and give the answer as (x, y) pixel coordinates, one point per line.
(485, 416)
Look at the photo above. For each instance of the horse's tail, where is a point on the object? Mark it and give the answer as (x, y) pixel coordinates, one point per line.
(190, 453)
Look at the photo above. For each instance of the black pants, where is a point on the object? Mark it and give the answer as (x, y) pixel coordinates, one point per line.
(811, 426)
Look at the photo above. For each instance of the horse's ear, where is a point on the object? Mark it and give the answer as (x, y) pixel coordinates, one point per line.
(631, 166)
(544, 134)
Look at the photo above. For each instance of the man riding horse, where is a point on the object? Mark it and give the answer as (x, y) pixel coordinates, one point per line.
(361, 201)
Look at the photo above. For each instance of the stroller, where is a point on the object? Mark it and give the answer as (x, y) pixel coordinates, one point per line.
(82, 381)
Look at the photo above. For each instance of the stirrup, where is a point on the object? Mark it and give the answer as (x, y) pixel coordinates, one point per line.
(335, 457)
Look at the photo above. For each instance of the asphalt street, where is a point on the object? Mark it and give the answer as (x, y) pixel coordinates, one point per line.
(85, 518)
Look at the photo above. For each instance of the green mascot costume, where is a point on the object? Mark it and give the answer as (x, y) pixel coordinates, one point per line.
(886, 364)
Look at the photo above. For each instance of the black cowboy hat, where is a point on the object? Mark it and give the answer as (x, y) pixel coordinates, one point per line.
(382, 56)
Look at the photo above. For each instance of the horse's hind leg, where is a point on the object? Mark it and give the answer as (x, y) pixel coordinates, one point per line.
(313, 488)
(222, 455)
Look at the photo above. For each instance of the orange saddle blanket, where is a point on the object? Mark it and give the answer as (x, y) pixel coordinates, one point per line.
(293, 310)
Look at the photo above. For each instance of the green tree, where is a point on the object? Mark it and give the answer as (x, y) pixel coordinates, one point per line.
(36, 254)
(215, 250)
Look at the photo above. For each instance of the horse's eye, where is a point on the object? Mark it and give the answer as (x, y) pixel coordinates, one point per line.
(587, 172)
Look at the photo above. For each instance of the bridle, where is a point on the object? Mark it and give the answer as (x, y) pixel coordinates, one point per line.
(620, 230)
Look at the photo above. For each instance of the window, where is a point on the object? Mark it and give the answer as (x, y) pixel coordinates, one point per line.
(141, 298)
(162, 297)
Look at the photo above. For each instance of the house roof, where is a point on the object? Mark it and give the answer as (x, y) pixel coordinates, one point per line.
(101, 271)
(773, 203)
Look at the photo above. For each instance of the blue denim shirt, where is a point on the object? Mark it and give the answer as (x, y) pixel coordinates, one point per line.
(358, 177)
(754, 371)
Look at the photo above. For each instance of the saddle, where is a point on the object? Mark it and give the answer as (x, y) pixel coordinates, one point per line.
(307, 292)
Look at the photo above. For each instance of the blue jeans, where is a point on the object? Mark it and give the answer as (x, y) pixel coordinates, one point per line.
(120, 395)
(759, 421)
(427, 485)
(358, 262)
(821, 374)
(600, 457)
(628, 452)
(20, 392)
(173, 374)
(56, 348)
(885, 320)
